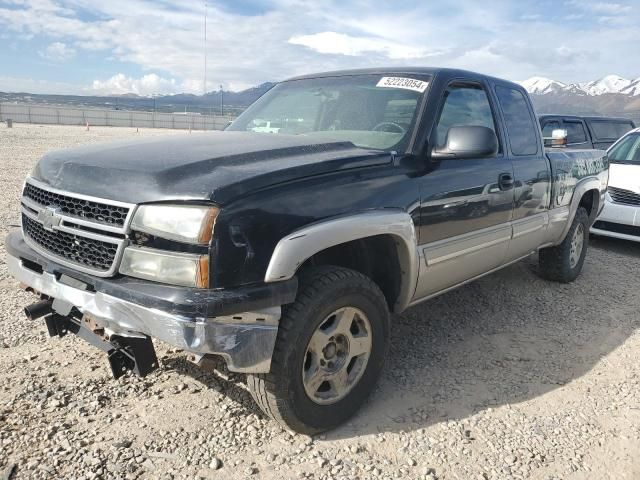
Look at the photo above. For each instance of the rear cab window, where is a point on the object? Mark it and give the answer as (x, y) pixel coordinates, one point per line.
(520, 123)
(609, 130)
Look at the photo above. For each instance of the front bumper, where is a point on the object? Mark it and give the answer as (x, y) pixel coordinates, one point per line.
(244, 337)
(618, 221)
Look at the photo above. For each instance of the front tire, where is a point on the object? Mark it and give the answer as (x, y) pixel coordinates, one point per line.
(563, 263)
(329, 353)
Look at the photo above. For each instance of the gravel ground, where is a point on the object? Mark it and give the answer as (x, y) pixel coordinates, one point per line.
(508, 377)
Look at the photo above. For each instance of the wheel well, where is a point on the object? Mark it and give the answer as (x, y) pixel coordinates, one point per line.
(375, 257)
(589, 202)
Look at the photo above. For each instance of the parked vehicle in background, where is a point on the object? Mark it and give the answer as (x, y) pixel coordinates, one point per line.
(285, 252)
(586, 132)
(620, 217)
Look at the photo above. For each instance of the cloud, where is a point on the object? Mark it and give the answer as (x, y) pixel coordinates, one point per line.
(339, 43)
(162, 41)
(607, 8)
(30, 85)
(58, 52)
(604, 12)
(145, 86)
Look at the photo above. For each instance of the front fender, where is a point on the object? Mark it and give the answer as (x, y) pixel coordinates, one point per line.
(294, 249)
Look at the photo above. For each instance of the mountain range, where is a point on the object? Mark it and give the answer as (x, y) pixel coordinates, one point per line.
(213, 102)
(602, 86)
(611, 95)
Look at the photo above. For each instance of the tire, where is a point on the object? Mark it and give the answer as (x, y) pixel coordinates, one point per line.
(325, 293)
(562, 263)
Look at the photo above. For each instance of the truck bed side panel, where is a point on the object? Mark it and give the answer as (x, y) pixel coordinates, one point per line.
(569, 167)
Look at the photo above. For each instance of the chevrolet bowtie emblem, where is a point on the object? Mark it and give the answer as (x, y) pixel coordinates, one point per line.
(49, 217)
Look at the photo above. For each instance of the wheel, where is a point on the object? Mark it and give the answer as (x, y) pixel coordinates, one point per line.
(329, 353)
(563, 263)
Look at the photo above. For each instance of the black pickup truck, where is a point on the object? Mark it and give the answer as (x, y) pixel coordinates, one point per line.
(282, 244)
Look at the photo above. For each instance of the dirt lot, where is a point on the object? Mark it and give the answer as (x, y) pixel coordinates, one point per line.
(508, 377)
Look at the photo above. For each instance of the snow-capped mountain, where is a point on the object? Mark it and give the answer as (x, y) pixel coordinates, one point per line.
(604, 85)
(633, 88)
(541, 85)
(608, 84)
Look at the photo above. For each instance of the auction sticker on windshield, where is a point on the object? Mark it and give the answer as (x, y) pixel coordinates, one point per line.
(401, 82)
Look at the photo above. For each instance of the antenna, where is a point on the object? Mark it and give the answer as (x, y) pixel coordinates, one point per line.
(205, 47)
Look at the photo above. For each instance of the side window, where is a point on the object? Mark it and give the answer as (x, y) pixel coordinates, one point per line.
(622, 128)
(549, 127)
(609, 130)
(520, 125)
(575, 132)
(464, 105)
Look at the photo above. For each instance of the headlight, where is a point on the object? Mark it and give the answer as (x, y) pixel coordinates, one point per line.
(176, 268)
(183, 223)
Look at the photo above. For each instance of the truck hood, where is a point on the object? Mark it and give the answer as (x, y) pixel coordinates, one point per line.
(216, 166)
(623, 175)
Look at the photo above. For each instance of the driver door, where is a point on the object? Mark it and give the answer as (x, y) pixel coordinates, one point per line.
(466, 204)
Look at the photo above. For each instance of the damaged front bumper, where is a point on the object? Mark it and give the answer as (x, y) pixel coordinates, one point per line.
(239, 325)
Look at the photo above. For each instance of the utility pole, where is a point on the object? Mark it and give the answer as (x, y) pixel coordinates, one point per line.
(205, 48)
(221, 101)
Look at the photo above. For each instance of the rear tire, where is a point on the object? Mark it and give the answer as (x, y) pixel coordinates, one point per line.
(329, 353)
(563, 263)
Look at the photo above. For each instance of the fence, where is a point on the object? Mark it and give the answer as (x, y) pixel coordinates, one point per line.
(45, 114)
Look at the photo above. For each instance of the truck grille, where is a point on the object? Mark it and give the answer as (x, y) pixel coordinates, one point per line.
(625, 197)
(84, 233)
(78, 207)
(87, 252)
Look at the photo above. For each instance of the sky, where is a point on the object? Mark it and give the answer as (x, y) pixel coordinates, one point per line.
(157, 47)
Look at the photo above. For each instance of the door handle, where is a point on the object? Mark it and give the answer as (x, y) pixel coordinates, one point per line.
(505, 181)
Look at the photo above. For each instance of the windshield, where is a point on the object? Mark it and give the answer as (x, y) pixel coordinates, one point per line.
(627, 150)
(371, 111)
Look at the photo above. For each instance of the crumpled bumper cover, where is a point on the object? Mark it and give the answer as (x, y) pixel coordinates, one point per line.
(240, 325)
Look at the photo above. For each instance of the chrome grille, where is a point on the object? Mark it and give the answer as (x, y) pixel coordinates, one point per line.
(624, 197)
(78, 207)
(83, 251)
(84, 233)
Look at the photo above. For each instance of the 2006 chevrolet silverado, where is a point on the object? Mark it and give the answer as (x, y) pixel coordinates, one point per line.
(285, 252)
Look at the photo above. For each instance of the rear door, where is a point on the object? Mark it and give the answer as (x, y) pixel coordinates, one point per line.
(532, 171)
(465, 203)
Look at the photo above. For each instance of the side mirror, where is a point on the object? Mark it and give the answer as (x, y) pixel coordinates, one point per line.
(468, 142)
(558, 138)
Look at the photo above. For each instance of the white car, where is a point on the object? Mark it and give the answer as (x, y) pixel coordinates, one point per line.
(620, 217)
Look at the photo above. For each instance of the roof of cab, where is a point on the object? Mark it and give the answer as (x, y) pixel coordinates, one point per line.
(401, 71)
(581, 117)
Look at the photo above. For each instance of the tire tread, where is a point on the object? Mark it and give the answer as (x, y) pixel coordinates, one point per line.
(264, 387)
(553, 261)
